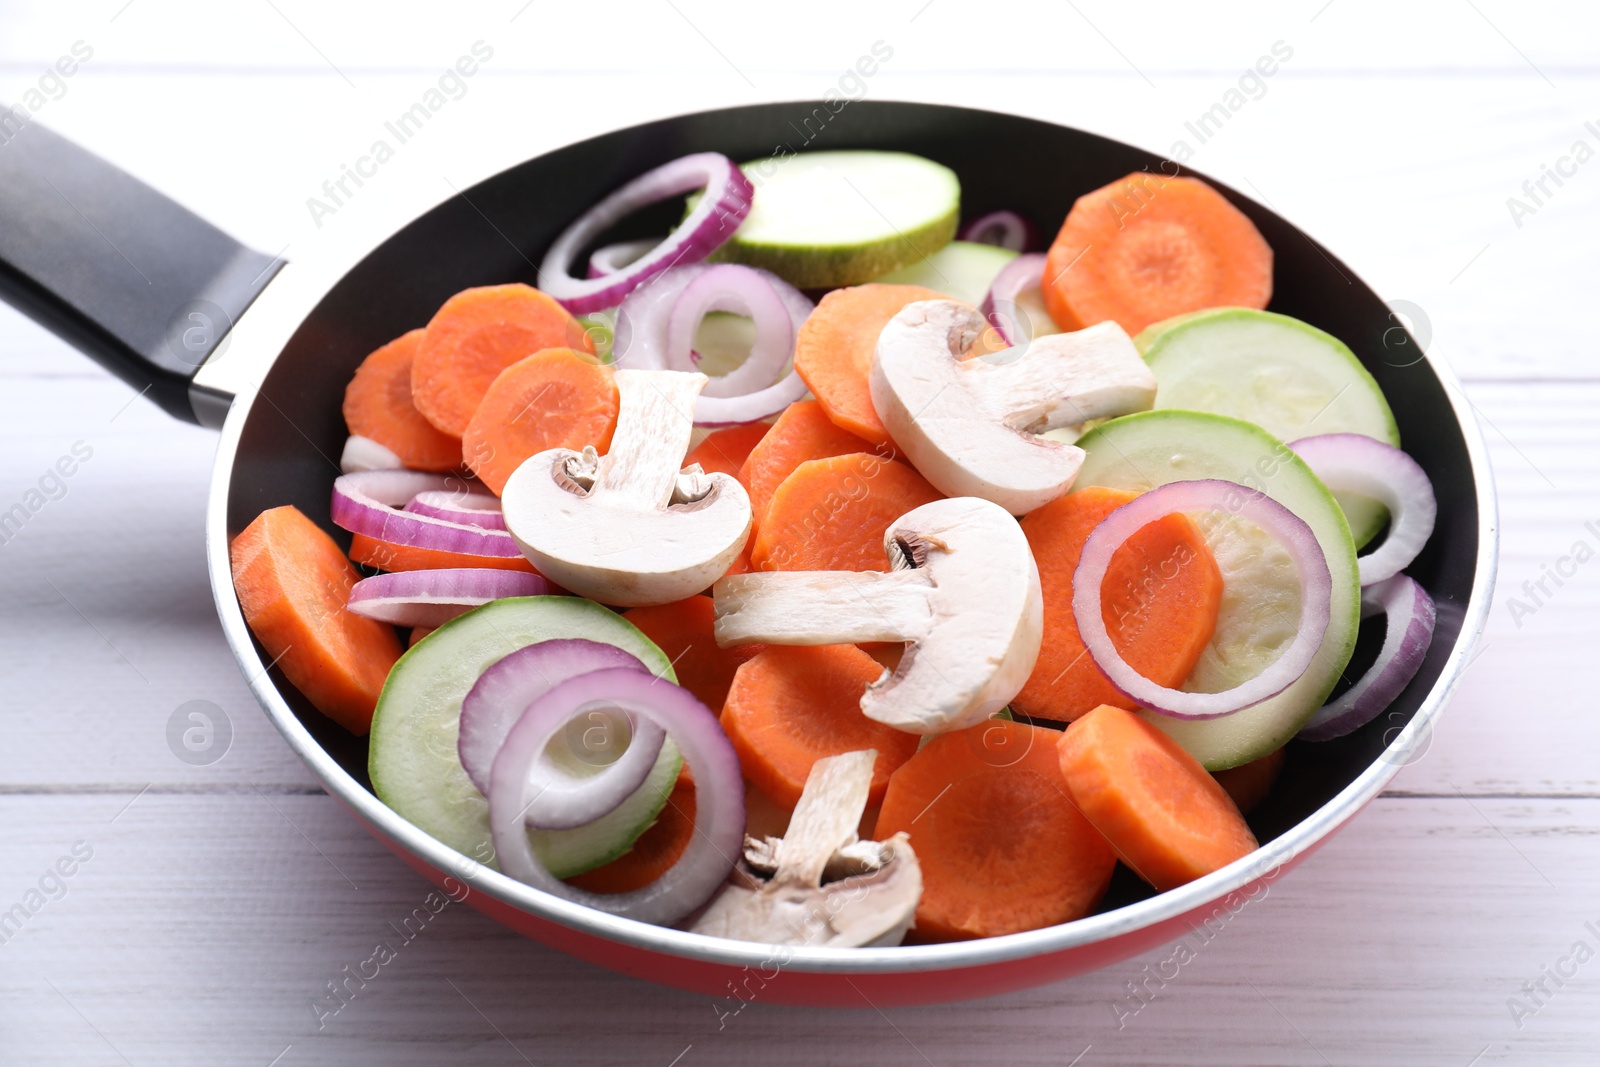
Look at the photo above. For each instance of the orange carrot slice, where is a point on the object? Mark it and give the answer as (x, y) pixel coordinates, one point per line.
(833, 351)
(683, 630)
(477, 334)
(417, 634)
(793, 705)
(388, 556)
(557, 398)
(802, 432)
(1159, 600)
(1148, 247)
(1002, 846)
(293, 585)
(1167, 818)
(725, 451)
(655, 850)
(378, 405)
(831, 514)
(1249, 783)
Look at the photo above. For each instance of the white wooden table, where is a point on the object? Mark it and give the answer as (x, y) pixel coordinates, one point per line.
(216, 901)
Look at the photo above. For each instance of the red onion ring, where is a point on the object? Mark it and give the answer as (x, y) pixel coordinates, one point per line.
(365, 454)
(1004, 229)
(643, 323)
(999, 307)
(459, 505)
(433, 597)
(740, 290)
(561, 799)
(1409, 616)
(1283, 525)
(368, 503)
(612, 258)
(719, 819)
(711, 222)
(1355, 463)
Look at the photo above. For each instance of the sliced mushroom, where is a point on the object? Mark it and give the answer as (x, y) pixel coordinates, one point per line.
(963, 594)
(872, 900)
(971, 426)
(630, 527)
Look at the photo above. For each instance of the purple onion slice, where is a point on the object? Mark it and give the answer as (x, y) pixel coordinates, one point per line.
(1277, 521)
(605, 759)
(369, 502)
(1409, 616)
(1365, 466)
(719, 820)
(1003, 229)
(714, 218)
(433, 597)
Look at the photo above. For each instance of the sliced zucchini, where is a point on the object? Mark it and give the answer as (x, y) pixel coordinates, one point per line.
(1261, 598)
(820, 220)
(412, 758)
(1286, 376)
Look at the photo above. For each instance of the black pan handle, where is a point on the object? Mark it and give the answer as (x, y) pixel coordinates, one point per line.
(143, 286)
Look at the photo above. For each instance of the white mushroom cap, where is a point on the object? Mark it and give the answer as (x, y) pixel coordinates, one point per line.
(963, 594)
(629, 527)
(971, 426)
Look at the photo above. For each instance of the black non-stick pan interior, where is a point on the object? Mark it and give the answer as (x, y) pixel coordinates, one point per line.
(497, 231)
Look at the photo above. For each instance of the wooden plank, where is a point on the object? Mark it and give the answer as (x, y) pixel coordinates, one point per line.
(201, 930)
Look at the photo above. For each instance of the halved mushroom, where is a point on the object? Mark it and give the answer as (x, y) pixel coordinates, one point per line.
(821, 886)
(962, 592)
(630, 527)
(971, 426)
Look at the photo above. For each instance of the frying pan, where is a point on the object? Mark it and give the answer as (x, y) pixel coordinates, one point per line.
(221, 335)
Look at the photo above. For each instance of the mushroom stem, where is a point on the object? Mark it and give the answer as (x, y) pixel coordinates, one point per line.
(825, 819)
(655, 420)
(630, 527)
(823, 607)
(1066, 379)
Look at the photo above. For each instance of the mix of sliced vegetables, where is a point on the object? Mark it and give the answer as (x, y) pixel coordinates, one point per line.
(832, 578)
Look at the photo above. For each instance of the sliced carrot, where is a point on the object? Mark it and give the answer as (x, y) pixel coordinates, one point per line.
(725, 451)
(682, 630)
(1159, 601)
(655, 850)
(388, 556)
(1249, 783)
(833, 351)
(378, 405)
(1167, 818)
(1002, 847)
(793, 705)
(831, 514)
(293, 585)
(477, 334)
(417, 634)
(802, 432)
(1147, 247)
(557, 398)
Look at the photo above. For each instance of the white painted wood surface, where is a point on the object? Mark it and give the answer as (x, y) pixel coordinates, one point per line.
(218, 900)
